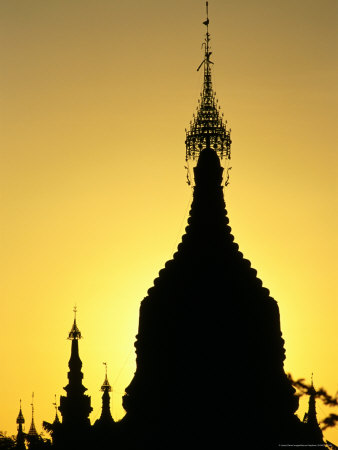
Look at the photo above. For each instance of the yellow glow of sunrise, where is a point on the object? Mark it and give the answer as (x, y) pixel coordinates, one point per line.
(95, 97)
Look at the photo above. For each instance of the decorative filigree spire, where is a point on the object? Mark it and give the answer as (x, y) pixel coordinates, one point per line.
(207, 129)
(106, 386)
(74, 332)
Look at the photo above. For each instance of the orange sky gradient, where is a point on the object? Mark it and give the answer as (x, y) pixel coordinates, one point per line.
(94, 100)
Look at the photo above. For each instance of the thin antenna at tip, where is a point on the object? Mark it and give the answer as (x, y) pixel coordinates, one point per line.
(32, 404)
(206, 22)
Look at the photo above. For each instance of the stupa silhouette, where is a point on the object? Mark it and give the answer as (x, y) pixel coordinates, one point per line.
(209, 348)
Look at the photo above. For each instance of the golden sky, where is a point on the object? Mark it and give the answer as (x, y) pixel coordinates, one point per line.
(95, 97)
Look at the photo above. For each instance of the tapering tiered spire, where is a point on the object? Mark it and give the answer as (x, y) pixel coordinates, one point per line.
(20, 419)
(207, 128)
(20, 437)
(310, 417)
(75, 408)
(32, 430)
(106, 417)
(56, 420)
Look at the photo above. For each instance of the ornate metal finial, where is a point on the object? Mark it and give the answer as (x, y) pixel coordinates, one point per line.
(207, 129)
(106, 386)
(74, 332)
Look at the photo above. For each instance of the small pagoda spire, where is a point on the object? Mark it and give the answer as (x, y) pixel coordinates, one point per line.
(56, 420)
(75, 407)
(310, 417)
(207, 129)
(106, 386)
(32, 430)
(20, 437)
(74, 332)
(311, 414)
(55, 425)
(20, 419)
(75, 362)
(106, 416)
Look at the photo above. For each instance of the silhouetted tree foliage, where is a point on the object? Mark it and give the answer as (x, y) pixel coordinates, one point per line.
(35, 443)
(329, 421)
(6, 442)
(329, 400)
(39, 443)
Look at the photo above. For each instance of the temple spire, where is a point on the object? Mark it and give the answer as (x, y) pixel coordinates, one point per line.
(32, 430)
(20, 437)
(207, 129)
(75, 407)
(106, 386)
(104, 426)
(106, 417)
(56, 420)
(310, 417)
(54, 427)
(20, 419)
(74, 332)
